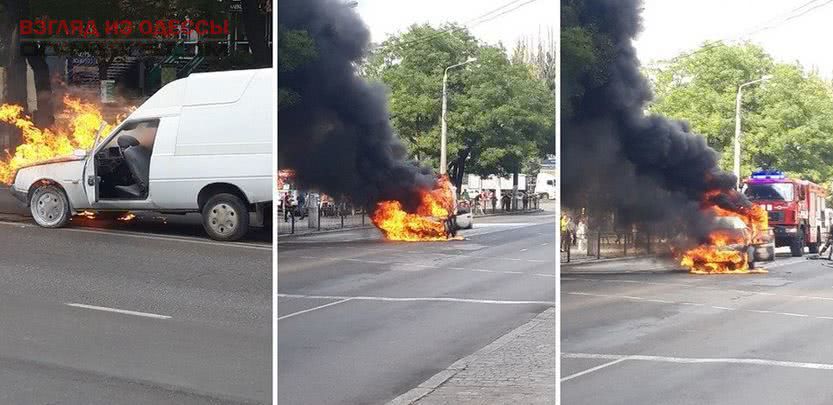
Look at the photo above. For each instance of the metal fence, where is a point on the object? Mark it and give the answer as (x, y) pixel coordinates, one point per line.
(296, 221)
(595, 245)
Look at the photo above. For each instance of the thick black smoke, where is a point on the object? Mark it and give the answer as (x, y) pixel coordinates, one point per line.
(645, 169)
(338, 138)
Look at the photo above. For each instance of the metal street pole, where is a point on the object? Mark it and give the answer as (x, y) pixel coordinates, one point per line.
(737, 128)
(444, 128)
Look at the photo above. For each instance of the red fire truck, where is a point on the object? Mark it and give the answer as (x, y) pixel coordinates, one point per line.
(796, 209)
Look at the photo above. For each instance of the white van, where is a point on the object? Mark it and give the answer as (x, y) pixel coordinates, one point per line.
(545, 186)
(200, 144)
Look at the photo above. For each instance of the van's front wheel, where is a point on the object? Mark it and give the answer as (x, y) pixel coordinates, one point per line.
(225, 217)
(49, 206)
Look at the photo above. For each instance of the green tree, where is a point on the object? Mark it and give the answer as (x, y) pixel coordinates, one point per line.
(701, 88)
(499, 113)
(787, 120)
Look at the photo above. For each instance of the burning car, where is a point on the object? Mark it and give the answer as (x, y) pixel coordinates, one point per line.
(733, 247)
(435, 219)
(200, 144)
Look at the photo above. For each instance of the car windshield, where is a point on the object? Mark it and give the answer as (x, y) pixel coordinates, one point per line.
(772, 191)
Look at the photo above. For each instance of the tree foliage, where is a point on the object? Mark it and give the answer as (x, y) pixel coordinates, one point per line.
(787, 121)
(499, 115)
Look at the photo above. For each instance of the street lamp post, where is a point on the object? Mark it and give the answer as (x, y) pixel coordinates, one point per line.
(443, 140)
(737, 127)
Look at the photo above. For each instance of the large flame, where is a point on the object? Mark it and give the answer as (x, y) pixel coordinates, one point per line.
(426, 224)
(75, 128)
(716, 256)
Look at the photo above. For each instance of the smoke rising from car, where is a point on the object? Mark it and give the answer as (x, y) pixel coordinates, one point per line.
(337, 136)
(646, 169)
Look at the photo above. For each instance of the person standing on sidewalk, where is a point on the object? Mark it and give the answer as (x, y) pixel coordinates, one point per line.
(571, 228)
(565, 233)
(287, 207)
(581, 235)
(493, 197)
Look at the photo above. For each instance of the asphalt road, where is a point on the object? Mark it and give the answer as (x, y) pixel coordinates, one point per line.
(674, 338)
(145, 222)
(361, 320)
(109, 316)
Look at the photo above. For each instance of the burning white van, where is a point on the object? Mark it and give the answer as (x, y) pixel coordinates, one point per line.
(200, 144)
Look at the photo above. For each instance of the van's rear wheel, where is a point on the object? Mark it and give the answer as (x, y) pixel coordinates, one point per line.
(225, 217)
(49, 206)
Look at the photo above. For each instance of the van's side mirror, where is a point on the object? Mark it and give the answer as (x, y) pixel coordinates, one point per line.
(79, 153)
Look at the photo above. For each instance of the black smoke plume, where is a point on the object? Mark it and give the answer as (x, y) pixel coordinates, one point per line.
(645, 169)
(338, 137)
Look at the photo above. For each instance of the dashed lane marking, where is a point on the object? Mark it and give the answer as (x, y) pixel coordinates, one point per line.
(116, 310)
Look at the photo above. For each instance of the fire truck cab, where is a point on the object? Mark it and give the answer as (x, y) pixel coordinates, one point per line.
(795, 207)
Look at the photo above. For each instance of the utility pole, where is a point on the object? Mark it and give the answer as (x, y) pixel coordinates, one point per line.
(737, 127)
(443, 138)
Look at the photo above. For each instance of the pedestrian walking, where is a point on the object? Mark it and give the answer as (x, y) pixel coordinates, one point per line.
(525, 201)
(581, 235)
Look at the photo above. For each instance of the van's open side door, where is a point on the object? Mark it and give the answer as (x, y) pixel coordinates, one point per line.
(91, 179)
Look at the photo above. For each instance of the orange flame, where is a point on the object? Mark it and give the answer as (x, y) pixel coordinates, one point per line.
(426, 224)
(75, 128)
(717, 256)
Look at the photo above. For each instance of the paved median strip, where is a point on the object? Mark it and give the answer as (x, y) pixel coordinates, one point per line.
(118, 311)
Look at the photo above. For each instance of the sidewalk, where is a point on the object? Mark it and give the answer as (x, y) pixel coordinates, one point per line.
(620, 265)
(518, 368)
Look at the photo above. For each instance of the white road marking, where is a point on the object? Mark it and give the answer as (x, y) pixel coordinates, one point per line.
(116, 310)
(153, 236)
(695, 360)
(312, 309)
(590, 370)
(524, 250)
(544, 275)
(413, 299)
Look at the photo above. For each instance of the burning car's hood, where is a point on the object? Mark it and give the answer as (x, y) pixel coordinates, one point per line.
(61, 159)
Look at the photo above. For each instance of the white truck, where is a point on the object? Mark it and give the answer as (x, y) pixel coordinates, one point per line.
(545, 186)
(200, 144)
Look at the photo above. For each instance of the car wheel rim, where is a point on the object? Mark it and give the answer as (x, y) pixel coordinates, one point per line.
(49, 208)
(223, 219)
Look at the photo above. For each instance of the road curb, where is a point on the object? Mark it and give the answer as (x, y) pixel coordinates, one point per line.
(440, 378)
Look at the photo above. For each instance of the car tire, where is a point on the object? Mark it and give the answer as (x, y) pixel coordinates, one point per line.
(49, 206)
(225, 217)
